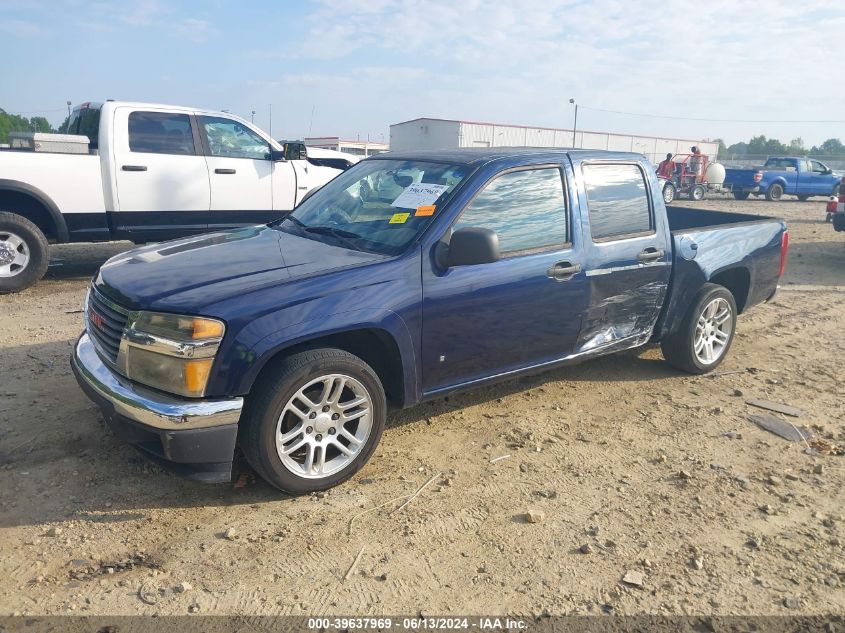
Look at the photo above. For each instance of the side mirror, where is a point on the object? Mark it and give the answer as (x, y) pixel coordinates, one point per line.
(828, 171)
(295, 151)
(472, 246)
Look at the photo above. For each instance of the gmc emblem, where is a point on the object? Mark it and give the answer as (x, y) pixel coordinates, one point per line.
(97, 319)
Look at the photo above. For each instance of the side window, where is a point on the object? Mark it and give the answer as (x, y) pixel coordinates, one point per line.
(160, 133)
(617, 201)
(817, 167)
(527, 210)
(230, 139)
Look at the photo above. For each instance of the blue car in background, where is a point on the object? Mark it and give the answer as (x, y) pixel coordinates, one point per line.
(408, 277)
(784, 175)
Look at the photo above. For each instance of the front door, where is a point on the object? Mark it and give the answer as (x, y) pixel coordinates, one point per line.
(160, 176)
(629, 258)
(520, 311)
(240, 172)
(821, 179)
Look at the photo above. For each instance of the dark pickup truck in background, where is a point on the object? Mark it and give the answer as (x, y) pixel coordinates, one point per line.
(791, 175)
(408, 277)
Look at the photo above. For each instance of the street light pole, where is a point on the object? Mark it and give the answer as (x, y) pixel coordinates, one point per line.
(252, 116)
(575, 125)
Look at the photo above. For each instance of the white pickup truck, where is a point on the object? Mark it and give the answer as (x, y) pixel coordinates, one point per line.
(151, 172)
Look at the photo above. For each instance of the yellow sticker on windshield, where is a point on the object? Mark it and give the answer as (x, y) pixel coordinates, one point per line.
(399, 218)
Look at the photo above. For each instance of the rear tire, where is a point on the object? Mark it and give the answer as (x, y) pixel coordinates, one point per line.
(774, 193)
(293, 431)
(669, 192)
(24, 253)
(741, 195)
(709, 325)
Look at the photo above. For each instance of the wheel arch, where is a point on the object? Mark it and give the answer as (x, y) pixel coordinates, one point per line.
(375, 346)
(737, 280)
(34, 205)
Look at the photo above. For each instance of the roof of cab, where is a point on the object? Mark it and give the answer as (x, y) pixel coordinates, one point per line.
(478, 156)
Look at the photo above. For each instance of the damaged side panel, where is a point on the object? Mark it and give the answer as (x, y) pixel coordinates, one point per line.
(628, 312)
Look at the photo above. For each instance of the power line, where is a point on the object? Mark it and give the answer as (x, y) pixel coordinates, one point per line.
(38, 111)
(686, 118)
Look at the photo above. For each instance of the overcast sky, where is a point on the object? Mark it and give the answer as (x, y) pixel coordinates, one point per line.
(361, 65)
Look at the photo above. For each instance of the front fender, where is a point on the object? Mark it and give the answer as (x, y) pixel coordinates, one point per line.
(245, 364)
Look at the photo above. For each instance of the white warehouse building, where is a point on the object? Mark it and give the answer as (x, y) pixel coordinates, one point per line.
(426, 133)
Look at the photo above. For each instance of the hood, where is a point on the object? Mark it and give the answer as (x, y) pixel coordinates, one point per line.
(189, 274)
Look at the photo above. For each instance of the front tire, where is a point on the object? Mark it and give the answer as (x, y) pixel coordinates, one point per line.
(774, 193)
(705, 336)
(697, 192)
(313, 420)
(24, 253)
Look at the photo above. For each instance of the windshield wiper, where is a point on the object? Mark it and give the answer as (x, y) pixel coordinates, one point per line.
(347, 237)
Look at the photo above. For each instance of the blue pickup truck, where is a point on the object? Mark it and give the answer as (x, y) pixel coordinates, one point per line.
(408, 277)
(784, 175)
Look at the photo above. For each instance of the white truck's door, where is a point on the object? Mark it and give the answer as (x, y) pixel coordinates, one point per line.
(240, 171)
(161, 176)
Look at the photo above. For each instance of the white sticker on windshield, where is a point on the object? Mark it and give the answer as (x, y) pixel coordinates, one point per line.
(418, 195)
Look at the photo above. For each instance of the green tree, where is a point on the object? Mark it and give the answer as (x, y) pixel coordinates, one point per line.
(16, 123)
(831, 147)
(796, 146)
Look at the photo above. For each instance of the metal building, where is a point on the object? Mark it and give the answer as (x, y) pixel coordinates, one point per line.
(425, 133)
(358, 148)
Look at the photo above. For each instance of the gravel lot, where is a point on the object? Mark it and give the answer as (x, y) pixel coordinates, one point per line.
(626, 465)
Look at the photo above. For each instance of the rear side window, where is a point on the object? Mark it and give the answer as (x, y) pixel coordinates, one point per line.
(526, 209)
(617, 201)
(160, 133)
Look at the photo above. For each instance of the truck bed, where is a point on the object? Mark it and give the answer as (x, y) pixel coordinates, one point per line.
(688, 219)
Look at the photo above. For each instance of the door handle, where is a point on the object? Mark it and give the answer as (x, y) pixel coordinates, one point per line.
(220, 170)
(651, 254)
(562, 271)
(134, 168)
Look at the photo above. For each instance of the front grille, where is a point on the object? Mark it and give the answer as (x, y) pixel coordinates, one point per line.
(105, 320)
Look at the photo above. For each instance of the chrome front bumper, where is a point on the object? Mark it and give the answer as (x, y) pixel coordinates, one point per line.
(145, 406)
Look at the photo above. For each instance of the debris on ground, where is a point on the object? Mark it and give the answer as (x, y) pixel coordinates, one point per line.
(104, 568)
(230, 534)
(826, 447)
(781, 428)
(776, 407)
(634, 578)
(535, 516)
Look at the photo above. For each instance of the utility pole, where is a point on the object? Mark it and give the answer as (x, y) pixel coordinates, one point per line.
(575, 125)
(271, 120)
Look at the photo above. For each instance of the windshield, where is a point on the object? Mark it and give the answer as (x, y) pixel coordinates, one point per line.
(378, 205)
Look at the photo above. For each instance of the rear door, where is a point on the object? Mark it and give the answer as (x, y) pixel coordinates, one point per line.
(520, 311)
(240, 172)
(161, 177)
(628, 262)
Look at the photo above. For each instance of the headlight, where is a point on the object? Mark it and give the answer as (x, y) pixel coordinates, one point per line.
(171, 352)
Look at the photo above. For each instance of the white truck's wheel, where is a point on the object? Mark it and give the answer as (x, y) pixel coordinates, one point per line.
(24, 254)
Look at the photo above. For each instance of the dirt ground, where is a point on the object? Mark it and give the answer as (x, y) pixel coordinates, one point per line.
(629, 466)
